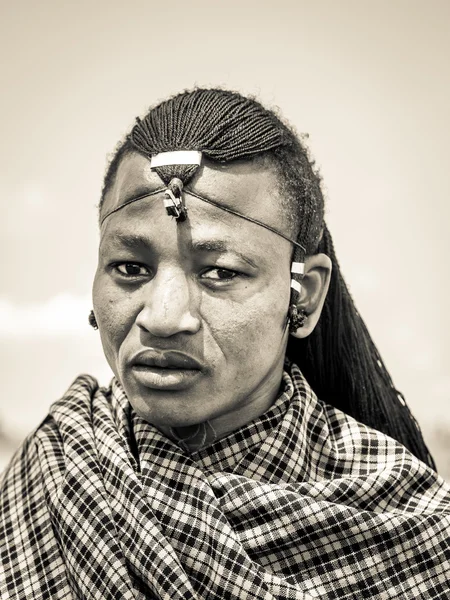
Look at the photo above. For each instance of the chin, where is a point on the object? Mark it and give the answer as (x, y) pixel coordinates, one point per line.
(168, 413)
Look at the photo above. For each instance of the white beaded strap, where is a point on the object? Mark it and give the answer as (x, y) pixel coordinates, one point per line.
(296, 286)
(177, 157)
(299, 269)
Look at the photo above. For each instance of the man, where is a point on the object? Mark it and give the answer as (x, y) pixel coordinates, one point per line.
(210, 468)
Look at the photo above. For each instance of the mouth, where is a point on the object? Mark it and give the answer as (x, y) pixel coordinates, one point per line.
(166, 370)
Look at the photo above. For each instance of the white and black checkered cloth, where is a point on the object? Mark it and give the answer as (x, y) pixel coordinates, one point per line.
(303, 502)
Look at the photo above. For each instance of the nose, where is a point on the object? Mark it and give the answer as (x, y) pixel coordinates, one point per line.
(170, 305)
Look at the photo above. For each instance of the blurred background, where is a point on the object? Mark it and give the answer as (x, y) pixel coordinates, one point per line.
(368, 81)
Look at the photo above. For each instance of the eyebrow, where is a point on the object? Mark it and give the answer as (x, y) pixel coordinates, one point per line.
(135, 241)
(219, 246)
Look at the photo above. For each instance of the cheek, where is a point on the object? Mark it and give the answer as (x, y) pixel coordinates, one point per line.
(114, 312)
(258, 324)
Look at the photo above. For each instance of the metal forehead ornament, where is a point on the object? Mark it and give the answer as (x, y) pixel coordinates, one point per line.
(173, 195)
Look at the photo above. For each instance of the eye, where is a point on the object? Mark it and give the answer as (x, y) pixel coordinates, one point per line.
(219, 274)
(130, 269)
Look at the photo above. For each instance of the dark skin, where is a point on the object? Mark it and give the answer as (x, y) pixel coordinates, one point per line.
(215, 288)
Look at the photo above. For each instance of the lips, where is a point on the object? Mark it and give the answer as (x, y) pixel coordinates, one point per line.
(166, 359)
(169, 370)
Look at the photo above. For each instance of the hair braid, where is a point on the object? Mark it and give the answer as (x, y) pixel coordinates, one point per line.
(344, 367)
(339, 358)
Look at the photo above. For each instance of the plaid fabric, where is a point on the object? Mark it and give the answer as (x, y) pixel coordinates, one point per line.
(302, 503)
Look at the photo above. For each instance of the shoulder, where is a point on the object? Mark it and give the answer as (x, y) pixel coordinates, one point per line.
(77, 400)
(347, 446)
(82, 389)
(46, 439)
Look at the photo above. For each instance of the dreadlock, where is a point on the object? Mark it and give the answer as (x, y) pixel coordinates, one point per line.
(339, 358)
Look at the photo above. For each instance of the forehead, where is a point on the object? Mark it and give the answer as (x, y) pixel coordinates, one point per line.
(249, 187)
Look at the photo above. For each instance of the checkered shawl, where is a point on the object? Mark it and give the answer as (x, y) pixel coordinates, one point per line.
(304, 502)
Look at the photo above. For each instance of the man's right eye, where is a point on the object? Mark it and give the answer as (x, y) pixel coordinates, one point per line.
(129, 269)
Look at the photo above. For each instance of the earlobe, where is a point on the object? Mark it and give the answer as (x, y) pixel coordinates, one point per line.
(92, 320)
(314, 288)
(297, 318)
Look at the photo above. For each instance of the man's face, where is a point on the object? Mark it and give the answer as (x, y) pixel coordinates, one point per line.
(192, 315)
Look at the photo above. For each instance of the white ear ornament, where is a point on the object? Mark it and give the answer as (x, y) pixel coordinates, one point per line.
(297, 268)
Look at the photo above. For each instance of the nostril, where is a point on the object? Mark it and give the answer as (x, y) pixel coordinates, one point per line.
(167, 320)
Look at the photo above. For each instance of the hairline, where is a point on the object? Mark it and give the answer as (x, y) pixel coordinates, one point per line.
(285, 201)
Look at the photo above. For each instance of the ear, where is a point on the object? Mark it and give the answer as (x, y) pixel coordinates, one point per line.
(315, 284)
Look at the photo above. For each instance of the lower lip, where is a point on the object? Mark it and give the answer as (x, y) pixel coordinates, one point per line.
(165, 379)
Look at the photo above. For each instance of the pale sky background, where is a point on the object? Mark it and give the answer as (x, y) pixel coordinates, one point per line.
(369, 82)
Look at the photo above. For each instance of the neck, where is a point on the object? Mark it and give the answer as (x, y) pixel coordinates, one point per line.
(194, 437)
(199, 435)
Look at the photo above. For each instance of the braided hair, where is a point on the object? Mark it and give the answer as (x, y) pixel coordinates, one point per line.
(339, 359)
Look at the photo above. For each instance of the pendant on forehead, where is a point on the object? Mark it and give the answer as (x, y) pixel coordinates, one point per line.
(173, 195)
(174, 201)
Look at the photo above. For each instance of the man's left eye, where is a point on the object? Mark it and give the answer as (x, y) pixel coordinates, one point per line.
(218, 274)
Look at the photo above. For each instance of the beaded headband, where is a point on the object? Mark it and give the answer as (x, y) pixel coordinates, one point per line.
(173, 200)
